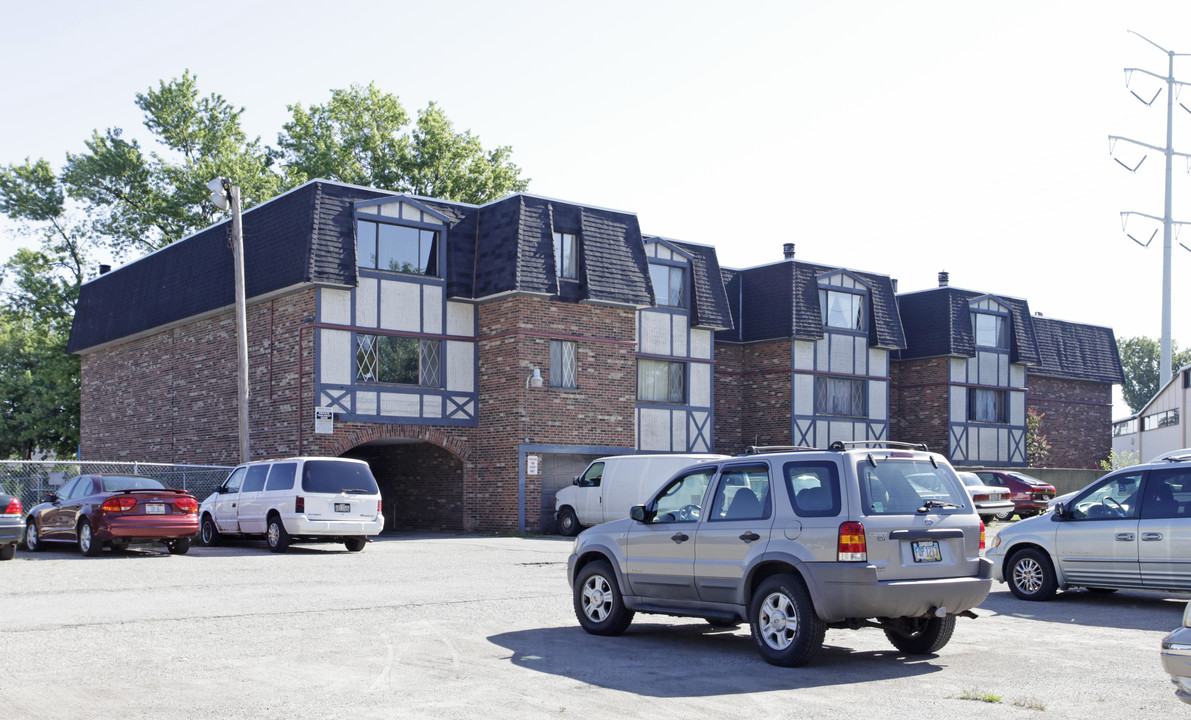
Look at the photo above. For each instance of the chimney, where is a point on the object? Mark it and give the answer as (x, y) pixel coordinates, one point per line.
(105, 269)
(894, 281)
(788, 250)
(943, 279)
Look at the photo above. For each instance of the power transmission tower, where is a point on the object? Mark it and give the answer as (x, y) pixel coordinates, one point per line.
(1165, 369)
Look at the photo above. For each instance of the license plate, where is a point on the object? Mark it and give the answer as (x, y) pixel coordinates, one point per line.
(343, 507)
(927, 551)
(154, 509)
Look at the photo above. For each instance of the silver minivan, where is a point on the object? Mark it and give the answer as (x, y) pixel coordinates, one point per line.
(794, 541)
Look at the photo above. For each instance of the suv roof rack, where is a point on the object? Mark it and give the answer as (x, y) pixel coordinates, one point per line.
(840, 445)
(759, 449)
(1177, 458)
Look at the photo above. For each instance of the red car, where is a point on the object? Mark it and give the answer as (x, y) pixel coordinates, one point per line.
(1029, 494)
(114, 510)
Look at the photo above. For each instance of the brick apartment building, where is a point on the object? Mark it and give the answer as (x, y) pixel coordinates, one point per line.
(424, 326)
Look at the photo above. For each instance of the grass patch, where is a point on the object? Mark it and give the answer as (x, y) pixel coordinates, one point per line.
(1030, 704)
(980, 696)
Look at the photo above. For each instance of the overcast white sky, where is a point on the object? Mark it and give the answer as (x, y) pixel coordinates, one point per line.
(902, 138)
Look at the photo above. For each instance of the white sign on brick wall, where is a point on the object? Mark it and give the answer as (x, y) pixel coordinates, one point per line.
(533, 464)
(324, 421)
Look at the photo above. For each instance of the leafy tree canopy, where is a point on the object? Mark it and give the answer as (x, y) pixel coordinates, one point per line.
(1140, 359)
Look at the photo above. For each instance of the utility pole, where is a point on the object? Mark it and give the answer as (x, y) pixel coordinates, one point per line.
(1165, 370)
(226, 196)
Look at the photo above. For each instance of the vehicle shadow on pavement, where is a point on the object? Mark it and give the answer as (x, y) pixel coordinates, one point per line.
(670, 661)
(1124, 609)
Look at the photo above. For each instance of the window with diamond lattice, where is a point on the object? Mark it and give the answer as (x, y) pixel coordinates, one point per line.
(840, 396)
(399, 360)
(661, 381)
(562, 364)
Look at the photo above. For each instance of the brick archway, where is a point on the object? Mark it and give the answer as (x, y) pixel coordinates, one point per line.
(371, 433)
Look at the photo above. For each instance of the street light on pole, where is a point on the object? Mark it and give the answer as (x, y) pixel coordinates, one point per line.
(224, 195)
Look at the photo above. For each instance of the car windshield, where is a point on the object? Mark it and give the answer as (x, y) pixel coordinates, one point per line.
(899, 487)
(331, 476)
(116, 483)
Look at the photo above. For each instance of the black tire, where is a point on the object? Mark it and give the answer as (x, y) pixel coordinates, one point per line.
(1004, 516)
(32, 537)
(599, 606)
(785, 628)
(208, 532)
(1031, 576)
(920, 636)
(276, 535)
(8, 552)
(355, 544)
(568, 523)
(85, 538)
(181, 546)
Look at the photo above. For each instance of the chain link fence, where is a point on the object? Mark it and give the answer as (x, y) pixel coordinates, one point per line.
(30, 480)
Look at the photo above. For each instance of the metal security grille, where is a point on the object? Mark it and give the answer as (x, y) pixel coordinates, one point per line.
(30, 480)
(562, 364)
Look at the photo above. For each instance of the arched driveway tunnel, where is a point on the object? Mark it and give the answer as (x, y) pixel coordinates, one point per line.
(421, 484)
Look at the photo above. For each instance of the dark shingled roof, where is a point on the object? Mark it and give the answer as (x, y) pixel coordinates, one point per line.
(709, 301)
(938, 322)
(782, 301)
(304, 236)
(1078, 352)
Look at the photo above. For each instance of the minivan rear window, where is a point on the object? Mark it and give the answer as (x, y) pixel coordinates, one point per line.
(900, 487)
(330, 476)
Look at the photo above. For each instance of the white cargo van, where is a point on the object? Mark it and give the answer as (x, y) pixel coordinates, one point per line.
(611, 485)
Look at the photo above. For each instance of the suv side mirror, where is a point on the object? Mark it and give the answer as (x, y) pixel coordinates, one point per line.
(637, 512)
(575, 481)
(1057, 513)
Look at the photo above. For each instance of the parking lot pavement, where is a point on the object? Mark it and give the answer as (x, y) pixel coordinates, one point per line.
(437, 626)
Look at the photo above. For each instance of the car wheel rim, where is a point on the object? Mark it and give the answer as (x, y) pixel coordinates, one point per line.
(597, 598)
(1027, 576)
(207, 534)
(31, 536)
(778, 621)
(85, 537)
(273, 534)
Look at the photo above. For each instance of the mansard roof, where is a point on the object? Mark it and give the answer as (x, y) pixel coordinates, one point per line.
(938, 323)
(781, 300)
(1078, 352)
(709, 301)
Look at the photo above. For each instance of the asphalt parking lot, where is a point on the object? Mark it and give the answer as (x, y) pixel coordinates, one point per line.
(420, 626)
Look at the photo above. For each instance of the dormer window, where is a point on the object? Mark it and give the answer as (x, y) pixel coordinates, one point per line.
(566, 255)
(669, 284)
(992, 331)
(398, 248)
(842, 310)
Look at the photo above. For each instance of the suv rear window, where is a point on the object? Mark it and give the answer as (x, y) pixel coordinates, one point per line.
(329, 476)
(900, 487)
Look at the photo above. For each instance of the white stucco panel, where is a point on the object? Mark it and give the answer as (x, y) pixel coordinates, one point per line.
(959, 370)
(990, 366)
(843, 356)
(366, 303)
(335, 306)
(1017, 408)
(461, 319)
(431, 406)
(804, 393)
(700, 384)
(461, 366)
(959, 404)
(366, 403)
(1017, 375)
(701, 344)
(654, 431)
(804, 355)
(432, 309)
(678, 329)
(655, 333)
(335, 357)
(400, 305)
(878, 362)
(878, 399)
(699, 443)
(678, 430)
(400, 404)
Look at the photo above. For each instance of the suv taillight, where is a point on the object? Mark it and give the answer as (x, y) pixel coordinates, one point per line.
(299, 504)
(122, 503)
(852, 546)
(379, 509)
(981, 534)
(14, 507)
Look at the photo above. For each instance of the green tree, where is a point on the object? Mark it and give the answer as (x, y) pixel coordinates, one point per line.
(1037, 446)
(362, 136)
(1140, 359)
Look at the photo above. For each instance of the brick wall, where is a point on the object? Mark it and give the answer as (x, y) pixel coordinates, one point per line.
(765, 394)
(728, 411)
(1077, 421)
(918, 402)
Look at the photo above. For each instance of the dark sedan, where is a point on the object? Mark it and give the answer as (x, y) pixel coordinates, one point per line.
(1029, 494)
(10, 525)
(94, 511)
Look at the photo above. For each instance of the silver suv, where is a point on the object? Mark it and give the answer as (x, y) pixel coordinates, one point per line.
(793, 541)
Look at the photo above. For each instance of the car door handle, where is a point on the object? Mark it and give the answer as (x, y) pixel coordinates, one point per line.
(1151, 536)
(1124, 537)
(750, 536)
(680, 537)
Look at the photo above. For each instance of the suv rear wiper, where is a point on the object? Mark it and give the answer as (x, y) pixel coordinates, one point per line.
(926, 506)
(358, 491)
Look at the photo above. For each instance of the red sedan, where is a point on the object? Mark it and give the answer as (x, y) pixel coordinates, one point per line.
(114, 510)
(1029, 494)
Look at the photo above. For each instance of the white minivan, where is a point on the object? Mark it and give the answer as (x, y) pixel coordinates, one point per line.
(318, 499)
(611, 485)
